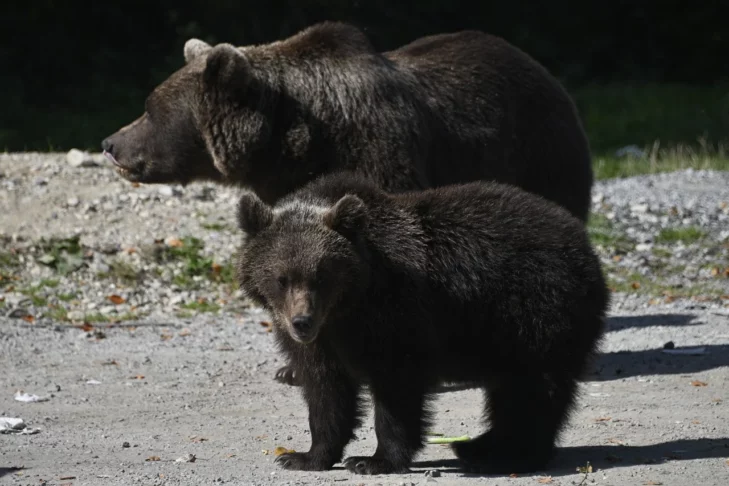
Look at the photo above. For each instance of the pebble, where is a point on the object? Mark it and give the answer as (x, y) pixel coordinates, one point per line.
(78, 158)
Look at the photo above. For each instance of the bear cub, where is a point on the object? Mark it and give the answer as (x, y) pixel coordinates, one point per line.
(479, 283)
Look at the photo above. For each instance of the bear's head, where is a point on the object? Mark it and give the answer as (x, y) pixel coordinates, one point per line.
(303, 262)
(187, 118)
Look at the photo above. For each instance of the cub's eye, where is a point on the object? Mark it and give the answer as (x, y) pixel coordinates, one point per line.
(283, 281)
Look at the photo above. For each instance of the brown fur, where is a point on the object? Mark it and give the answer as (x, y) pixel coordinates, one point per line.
(443, 109)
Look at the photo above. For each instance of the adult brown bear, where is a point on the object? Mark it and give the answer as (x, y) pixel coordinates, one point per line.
(444, 109)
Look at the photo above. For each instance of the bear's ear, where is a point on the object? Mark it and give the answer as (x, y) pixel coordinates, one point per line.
(195, 47)
(347, 216)
(226, 65)
(253, 214)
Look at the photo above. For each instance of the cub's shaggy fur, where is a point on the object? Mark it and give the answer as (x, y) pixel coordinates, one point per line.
(480, 283)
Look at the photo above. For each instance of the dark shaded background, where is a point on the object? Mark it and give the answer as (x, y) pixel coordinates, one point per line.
(73, 72)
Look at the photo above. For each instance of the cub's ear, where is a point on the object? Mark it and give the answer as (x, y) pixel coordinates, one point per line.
(226, 65)
(347, 216)
(253, 214)
(195, 47)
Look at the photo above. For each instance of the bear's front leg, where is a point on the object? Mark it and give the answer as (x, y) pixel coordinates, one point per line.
(400, 419)
(332, 398)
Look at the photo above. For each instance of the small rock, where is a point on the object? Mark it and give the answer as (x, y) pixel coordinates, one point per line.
(643, 247)
(169, 191)
(126, 445)
(72, 202)
(18, 313)
(186, 458)
(77, 158)
(432, 473)
(75, 315)
(669, 345)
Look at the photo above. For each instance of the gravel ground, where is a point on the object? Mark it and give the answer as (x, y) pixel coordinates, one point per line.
(117, 305)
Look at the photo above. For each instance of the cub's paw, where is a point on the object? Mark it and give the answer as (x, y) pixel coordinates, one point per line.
(302, 461)
(287, 375)
(373, 465)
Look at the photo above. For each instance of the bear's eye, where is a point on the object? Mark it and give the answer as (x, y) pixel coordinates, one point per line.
(282, 281)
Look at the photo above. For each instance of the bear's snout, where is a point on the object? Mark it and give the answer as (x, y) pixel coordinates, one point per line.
(302, 326)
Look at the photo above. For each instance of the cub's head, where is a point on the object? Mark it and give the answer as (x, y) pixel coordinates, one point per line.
(302, 262)
(174, 140)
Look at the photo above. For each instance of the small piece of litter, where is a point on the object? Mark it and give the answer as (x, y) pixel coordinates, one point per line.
(432, 473)
(186, 458)
(25, 397)
(282, 450)
(93, 382)
(9, 425)
(447, 440)
(686, 351)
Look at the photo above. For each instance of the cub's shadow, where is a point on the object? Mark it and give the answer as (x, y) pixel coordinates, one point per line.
(607, 457)
(4, 471)
(617, 323)
(623, 364)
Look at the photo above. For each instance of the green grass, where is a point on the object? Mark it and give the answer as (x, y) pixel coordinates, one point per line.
(123, 272)
(215, 226)
(201, 306)
(66, 297)
(689, 234)
(194, 264)
(603, 233)
(620, 114)
(660, 160)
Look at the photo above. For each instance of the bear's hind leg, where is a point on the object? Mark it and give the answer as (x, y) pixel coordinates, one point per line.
(400, 419)
(526, 412)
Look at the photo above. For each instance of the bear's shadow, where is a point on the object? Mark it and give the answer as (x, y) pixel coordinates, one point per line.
(568, 459)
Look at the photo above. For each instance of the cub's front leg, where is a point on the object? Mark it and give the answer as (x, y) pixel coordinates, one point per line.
(400, 419)
(332, 398)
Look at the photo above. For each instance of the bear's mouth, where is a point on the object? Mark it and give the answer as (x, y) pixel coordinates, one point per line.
(130, 173)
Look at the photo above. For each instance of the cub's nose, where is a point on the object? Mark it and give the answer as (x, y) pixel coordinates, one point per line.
(302, 323)
(107, 146)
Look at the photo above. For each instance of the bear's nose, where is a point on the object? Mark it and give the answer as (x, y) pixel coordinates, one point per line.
(302, 323)
(107, 146)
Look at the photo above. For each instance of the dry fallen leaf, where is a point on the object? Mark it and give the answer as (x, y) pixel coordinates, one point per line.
(545, 480)
(261, 437)
(602, 419)
(652, 483)
(152, 458)
(715, 271)
(195, 438)
(138, 377)
(225, 347)
(28, 318)
(67, 478)
(695, 422)
(230, 455)
(174, 242)
(86, 327)
(116, 299)
(698, 383)
(185, 332)
(635, 285)
(617, 258)
(513, 475)
(282, 450)
(165, 336)
(216, 268)
(110, 363)
(615, 441)
(130, 250)
(135, 184)
(266, 324)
